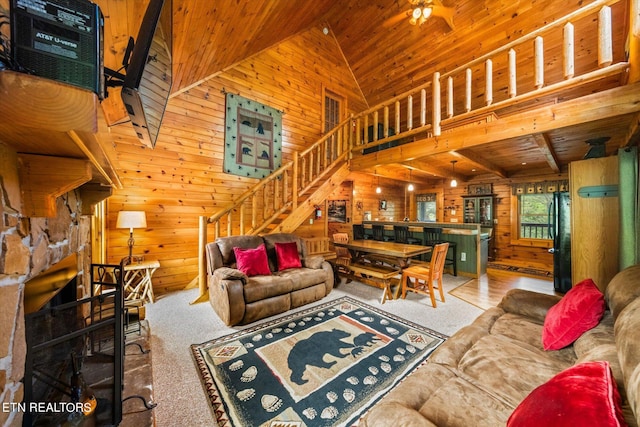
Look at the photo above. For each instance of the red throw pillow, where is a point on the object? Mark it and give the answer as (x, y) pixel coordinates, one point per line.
(252, 262)
(582, 395)
(578, 311)
(287, 254)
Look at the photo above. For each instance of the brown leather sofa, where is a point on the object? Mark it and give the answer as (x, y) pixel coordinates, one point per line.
(480, 375)
(239, 299)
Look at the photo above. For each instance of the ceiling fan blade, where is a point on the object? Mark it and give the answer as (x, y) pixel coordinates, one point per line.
(396, 19)
(444, 12)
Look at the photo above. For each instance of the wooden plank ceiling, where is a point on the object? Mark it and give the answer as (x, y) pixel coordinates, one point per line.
(387, 56)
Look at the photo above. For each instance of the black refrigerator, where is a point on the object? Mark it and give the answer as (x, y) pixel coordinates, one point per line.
(559, 226)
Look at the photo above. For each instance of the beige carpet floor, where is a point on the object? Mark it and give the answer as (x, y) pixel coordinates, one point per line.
(175, 325)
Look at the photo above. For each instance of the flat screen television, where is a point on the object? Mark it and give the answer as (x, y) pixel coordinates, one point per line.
(148, 77)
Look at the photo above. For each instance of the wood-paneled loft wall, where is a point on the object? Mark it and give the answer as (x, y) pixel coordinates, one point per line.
(182, 177)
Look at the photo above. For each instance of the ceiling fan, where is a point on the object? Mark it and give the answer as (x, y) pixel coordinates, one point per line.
(421, 10)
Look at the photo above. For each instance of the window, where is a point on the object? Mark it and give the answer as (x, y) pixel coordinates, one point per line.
(426, 206)
(333, 110)
(533, 216)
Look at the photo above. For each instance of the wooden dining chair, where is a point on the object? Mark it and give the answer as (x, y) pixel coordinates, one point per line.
(425, 276)
(343, 256)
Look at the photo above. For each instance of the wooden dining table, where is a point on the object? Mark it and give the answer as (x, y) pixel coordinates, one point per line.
(399, 254)
(368, 257)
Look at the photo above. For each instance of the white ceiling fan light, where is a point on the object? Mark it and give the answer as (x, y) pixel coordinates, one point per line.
(420, 13)
(421, 10)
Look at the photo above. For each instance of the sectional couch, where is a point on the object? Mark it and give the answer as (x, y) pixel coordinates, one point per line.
(495, 371)
(261, 291)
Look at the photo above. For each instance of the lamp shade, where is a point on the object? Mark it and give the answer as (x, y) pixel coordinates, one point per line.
(131, 219)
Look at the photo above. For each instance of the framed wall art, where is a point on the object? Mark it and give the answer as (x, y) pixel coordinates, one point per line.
(253, 137)
(337, 211)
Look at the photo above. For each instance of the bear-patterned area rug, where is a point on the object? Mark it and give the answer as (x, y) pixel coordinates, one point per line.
(324, 366)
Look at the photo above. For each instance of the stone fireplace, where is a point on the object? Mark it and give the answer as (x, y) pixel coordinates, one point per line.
(28, 247)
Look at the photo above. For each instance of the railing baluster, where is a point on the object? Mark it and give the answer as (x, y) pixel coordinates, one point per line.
(397, 117)
(568, 55)
(605, 49)
(311, 156)
(449, 97)
(488, 79)
(365, 130)
(276, 195)
(385, 124)
(513, 90)
(229, 223)
(375, 126)
(423, 107)
(409, 112)
(539, 62)
(436, 104)
(254, 211)
(295, 187)
(265, 203)
(242, 218)
(467, 90)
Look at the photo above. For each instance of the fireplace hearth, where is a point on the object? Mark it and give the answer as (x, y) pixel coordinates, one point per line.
(74, 368)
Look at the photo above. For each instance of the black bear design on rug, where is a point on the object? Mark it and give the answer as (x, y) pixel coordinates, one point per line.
(305, 352)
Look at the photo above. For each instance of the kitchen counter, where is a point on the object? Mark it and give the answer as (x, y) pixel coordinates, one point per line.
(472, 241)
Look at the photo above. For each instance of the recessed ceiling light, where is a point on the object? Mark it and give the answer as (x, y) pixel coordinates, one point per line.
(524, 163)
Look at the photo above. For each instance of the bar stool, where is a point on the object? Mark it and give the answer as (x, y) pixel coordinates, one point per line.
(378, 233)
(358, 232)
(433, 236)
(403, 235)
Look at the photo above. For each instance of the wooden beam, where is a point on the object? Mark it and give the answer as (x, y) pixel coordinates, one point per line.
(45, 178)
(544, 143)
(480, 162)
(427, 167)
(602, 105)
(46, 104)
(633, 133)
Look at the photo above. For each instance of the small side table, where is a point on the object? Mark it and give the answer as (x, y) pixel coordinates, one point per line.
(137, 280)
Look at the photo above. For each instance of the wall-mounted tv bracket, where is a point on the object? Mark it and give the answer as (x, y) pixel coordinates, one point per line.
(115, 78)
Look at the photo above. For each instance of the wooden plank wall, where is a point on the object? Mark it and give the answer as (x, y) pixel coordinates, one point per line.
(182, 177)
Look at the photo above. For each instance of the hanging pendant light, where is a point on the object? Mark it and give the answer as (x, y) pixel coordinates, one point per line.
(454, 182)
(378, 189)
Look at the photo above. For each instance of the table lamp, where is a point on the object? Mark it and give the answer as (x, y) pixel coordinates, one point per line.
(131, 220)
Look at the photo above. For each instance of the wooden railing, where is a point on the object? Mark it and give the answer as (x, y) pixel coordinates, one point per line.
(448, 99)
(282, 191)
(530, 230)
(419, 113)
(319, 246)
